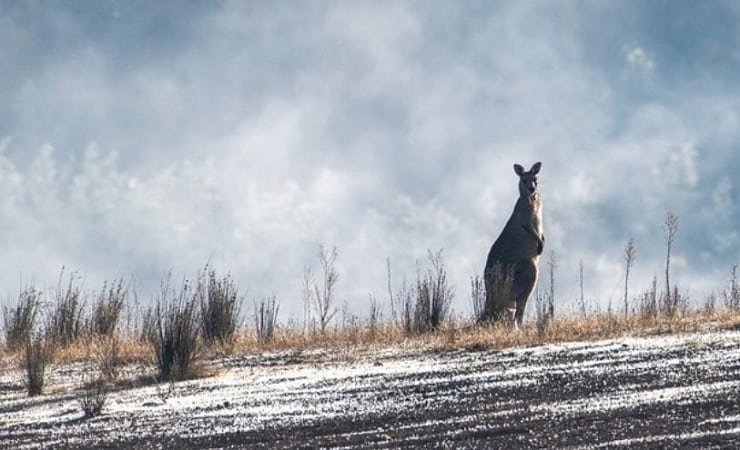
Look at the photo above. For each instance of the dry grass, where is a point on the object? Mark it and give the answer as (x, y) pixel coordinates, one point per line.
(578, 328)
(461, 334)
(453, 335)
(287, 339)
(130, 350)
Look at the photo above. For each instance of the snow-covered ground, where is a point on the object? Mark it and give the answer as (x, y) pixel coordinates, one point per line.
(681, 390)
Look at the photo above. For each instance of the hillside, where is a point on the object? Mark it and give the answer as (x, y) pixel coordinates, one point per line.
(668, 391)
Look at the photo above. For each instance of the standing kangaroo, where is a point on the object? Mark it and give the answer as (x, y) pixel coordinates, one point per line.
(511, 268)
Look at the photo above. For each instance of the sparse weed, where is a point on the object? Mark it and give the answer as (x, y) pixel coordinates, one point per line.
(19, 321)
(165, 394)
(93, 398)
(431, 299)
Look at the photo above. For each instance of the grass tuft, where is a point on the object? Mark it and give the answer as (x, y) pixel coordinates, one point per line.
(107, 309)
(19, 321)
(37, 355)
(66, 321)
(173, 333)
(220, 306)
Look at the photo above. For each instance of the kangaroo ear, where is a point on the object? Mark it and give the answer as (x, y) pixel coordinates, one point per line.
(518, 169)
(536, 168)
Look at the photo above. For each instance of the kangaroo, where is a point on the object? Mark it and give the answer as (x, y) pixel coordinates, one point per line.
(511, 268)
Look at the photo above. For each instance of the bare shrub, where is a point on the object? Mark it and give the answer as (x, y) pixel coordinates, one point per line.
(649, 301)
(37, 355)
(220, 306)
(432, 298)
(19, 321)
(66, 321)
(731, 294)
(477, 297)
(673, 303)
(406, 299)
(401, 303)
(93, 398)
(321, 298)
(107, 308)
(265, 318)
(172, 330)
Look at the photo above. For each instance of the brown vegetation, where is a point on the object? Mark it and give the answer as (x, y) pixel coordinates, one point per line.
(456, 334)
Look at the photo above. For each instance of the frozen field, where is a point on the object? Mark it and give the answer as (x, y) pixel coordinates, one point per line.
(672, 391)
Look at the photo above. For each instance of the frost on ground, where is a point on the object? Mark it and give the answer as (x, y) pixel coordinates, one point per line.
(672, 391)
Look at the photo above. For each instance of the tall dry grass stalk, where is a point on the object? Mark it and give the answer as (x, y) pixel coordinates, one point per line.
(629, 259)
(265, 319)
(731, 294)
(670, 228)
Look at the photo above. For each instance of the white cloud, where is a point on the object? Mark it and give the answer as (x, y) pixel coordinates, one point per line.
(682, 168)
(638, 60)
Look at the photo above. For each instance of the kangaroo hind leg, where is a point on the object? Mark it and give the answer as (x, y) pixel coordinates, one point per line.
(525, 278)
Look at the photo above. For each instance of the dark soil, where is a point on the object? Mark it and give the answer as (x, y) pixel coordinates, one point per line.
(673, 394)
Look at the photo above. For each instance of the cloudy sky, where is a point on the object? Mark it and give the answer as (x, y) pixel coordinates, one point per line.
(138, 138)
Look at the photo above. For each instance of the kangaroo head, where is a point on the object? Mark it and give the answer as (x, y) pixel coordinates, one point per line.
(527, 180)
